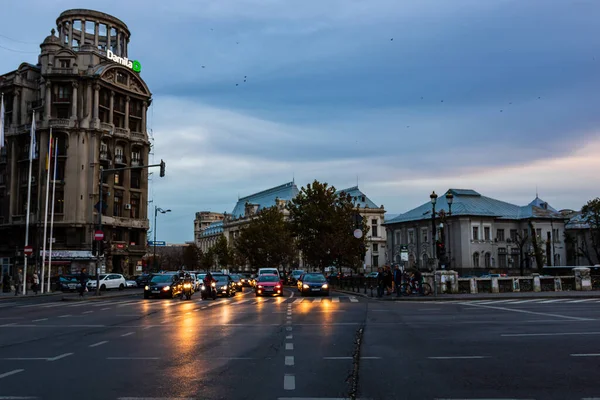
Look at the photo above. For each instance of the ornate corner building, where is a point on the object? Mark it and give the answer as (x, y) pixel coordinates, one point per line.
(91, 94)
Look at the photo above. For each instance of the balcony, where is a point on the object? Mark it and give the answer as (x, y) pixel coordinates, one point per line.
(135, 162)
(138, 136)
(107, 128)
(61, 123)
(60, 71)
(120, 159)
(122, 132)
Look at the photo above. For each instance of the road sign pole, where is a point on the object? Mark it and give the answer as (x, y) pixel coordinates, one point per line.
(98, 245)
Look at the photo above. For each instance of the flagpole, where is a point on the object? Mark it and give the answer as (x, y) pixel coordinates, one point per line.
(48, 170)
(31, 153)
(52, 212)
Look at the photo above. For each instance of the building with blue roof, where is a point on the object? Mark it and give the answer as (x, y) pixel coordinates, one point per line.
(480, 234)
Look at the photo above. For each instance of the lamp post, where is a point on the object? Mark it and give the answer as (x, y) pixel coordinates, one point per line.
(156, 211)
(449, 200)
(433, 196)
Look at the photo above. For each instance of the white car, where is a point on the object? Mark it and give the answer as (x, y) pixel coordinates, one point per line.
(108, 281)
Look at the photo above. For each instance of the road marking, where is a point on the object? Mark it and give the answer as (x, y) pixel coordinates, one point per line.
(586, 355)
(317, 300)
(133, 358)
(98, 344)
(551, 301)
(458, 358)
(288, 322)
(581, 301)
(351, 358)
(289, 360)
(289, 337)
(289, 317)
(17, 397)
(549, 334)
(353, 300)
(156, 398)
(87, 312)
(9, 373)
(106, 308)
(288, 328)
(64, 316)
(335, 299)
(39, 320)
(11, 324)
(165, 321)
(127, 334)
(204, 308)
(147, 327)
(297, 301)
(289, 382)
(289, 346)
(26, 359)
(59, 357)
(530, 312)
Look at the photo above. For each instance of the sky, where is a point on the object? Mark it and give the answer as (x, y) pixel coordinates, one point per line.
(403, 97)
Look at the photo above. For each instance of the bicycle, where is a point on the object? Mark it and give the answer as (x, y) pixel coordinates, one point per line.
(413, 287)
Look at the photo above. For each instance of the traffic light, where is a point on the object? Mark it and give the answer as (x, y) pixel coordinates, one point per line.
(162, 168)
(440, 249)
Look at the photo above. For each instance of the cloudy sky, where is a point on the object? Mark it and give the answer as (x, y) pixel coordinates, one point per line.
(406, 97)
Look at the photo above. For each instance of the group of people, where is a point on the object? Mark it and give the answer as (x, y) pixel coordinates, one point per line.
(17, 282)
(389, 281)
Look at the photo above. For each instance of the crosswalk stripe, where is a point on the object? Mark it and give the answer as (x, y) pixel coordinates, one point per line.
(335, 299)
(353, 300)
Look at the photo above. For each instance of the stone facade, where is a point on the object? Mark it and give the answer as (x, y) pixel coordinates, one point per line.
(96, 108)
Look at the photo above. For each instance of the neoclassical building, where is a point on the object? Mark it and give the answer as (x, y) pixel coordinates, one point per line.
(87, 90)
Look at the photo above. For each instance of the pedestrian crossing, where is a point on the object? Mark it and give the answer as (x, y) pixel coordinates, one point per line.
(124, 303)
(518, 301)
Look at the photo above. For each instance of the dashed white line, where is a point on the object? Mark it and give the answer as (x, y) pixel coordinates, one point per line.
(87, 312)
(127, 334)
(298, 301)
(549, 334)
(289, 361)
(98, 344)
(64, 316)
(105, 308)
(289, 328)
(335, 299)
(458, 358)
(586, 355)
(289, 382)
(289, 346)
(60, 356)
(9, 373)
(289, 337)
(40, 320)
(353, 300)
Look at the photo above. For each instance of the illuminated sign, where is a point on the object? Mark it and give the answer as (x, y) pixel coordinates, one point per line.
(133, 65)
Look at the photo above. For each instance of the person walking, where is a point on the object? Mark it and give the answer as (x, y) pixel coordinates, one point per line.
(398, 279)
(83, 278)
(36, 282)
(380, 282)
(18, 281)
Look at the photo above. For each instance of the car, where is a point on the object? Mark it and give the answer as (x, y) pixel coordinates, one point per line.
(107, 282)
(246, 279)
(237, 282)
(293, 278)
(163, 285)
(225, 286)
(273, 271)
(314, 283)
(269, 284)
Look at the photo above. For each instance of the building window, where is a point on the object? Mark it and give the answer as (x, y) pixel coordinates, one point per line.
(63, 94)
(59, 202)
(424, 234)
(513, 235)
(500, 235)
(425, 259)
(121, 78)
(476, 234)
(375, 247)
(486, 233)
(556, 236)
(557, 259)
(118, 204)
(502, 257)
(376, 261)
(374, 228)
(136, 179)
(538, 233)
(411, 237)
(488, 260)
(398, 237)
(135, 205)
(136, 158)
(120, 178)
(119, 154)
(475, 260)
(65, 63)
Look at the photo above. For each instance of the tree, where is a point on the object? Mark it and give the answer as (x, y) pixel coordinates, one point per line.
(590, 213)
(322, 223)
(521, 241)
(537, 244)
(266, 241)
(191, 256)
(222, 252)
(207, 260)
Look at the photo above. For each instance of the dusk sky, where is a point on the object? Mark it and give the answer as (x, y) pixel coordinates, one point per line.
(499, 96)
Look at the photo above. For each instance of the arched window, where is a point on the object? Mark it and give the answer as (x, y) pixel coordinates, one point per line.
(475, 260)
(425, 259)
(488, 260)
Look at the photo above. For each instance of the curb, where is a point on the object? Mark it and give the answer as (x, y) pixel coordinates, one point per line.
(393, 298)
(101, 297)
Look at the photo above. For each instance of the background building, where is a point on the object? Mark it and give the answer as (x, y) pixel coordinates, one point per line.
(481, 235)
(96, 106)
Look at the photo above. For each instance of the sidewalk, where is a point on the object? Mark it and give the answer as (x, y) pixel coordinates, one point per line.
(481, 296)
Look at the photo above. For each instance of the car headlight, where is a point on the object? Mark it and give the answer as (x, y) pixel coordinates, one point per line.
(260, 286)
(146, 287)
(213, 284)
(305, 286)
(325, 286)
(167, 288)
(203, 287)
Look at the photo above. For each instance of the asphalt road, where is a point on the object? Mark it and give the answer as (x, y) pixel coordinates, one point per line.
(298, 348)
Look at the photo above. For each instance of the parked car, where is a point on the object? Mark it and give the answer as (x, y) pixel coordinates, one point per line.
(107, 282)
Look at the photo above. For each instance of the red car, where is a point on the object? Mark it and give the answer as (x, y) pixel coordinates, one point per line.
(268, 284)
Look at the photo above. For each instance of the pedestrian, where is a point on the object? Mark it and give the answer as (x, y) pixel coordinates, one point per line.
(380, 282)
(398, 279)
(389, 279)
(18, 281)
(83, 278)
(36, 282)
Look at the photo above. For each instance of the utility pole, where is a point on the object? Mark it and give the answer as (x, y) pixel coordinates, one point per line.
(433, 198)
(156, 211)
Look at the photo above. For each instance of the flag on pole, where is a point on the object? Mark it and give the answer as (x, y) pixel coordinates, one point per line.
(2, 122)
(50, 147)
(33, 141)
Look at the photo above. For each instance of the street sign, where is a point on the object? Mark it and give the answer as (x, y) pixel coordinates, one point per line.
(157, 243)
(28, 250)
(358, 233)
(98, 235)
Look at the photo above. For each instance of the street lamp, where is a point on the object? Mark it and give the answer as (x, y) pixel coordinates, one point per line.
(449, 200)
(156, 211)
(433, 196)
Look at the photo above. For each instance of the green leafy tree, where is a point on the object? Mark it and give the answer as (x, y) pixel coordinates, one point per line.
(266, 241)
(322, 222)
(590, 213)
(191, 256)
(222, 252)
